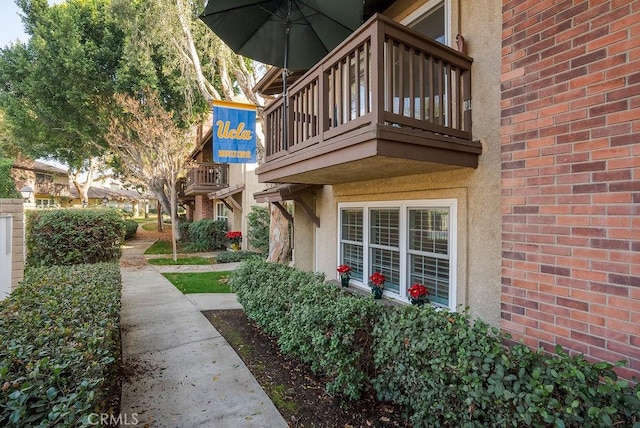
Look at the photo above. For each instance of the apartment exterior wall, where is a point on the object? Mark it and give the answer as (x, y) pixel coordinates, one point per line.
(571, 176)
(477, 191)
(14, 207)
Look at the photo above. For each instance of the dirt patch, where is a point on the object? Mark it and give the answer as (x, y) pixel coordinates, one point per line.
(153, 234)
(298, 394)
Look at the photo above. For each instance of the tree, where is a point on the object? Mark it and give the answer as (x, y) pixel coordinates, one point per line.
(168, 33)
(151, 149)
(7, 185)
(258, 220)
(56, 91)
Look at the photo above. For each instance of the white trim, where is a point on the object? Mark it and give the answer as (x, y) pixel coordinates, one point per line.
(404, 206)
(414, 16)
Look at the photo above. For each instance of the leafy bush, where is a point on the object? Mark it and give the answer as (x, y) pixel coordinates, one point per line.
(183, 230)
(69, 237)
(206, 235)
(59, 345)
(258, 220)
(436, 364)
(235, 256)
(7, 185)
(335, 339)
(444, 368)
(130, 229)
(447, 369)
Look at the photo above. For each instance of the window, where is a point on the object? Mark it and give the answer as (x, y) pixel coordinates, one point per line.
(432, 24)
(431, 19)
(44, 178)
(45, 203)
(222, 213)
(406, 241)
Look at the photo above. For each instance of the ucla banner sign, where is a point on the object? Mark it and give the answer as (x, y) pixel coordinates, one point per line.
(234, 132)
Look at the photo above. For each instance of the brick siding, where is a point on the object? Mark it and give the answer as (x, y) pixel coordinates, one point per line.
(203, 208)
(570, 138)
(14, 207)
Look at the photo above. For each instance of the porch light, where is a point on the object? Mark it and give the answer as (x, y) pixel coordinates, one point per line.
(26, 192)
(105, 200)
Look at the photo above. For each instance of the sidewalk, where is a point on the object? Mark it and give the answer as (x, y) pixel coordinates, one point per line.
(184, 373)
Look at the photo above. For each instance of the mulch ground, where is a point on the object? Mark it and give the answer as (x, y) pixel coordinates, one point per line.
(298, 394)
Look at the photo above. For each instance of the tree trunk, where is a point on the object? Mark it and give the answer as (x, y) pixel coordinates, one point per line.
(279, 242)
(160, 222)
(156, 186)
(175, 234)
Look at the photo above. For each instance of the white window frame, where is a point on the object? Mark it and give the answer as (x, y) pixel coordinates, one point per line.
(417, 14)
(224, 210)
(404, 206)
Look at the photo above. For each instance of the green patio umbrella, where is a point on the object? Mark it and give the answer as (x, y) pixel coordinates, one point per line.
(292, 34)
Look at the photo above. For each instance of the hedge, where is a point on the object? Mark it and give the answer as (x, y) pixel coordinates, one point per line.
(206, 235)
(73, 236)
(443, 368)
(59, 345)
(130, 229)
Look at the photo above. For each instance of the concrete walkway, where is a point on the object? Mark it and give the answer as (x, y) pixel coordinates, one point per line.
(184, 373)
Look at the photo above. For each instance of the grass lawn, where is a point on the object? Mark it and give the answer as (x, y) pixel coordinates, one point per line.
(204, 282)
(181, 261)
(161, 247)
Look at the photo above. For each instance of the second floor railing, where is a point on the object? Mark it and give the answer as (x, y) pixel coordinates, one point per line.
(52, 189)
(207, 177)
(384, 73)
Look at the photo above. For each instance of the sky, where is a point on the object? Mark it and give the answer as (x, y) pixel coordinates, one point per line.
(10, 23)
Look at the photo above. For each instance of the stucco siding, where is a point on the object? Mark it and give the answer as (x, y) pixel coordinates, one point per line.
(477, 191)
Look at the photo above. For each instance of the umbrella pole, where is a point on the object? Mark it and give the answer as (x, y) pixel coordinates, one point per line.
(285, 93)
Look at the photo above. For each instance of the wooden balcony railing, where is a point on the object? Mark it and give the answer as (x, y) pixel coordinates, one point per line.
(205, 178)
(52, 189)
(385, 74)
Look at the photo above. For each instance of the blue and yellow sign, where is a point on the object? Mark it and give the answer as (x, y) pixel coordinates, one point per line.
(234, 132)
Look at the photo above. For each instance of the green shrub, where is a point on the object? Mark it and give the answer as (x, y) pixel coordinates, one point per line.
(59, 345)
(7, 185)
(183, 229)
(443, 368)
(69, 237)
(130, 229)
(206, 235)
(563, 390)
(235, 256)
(334, 339)
(447, 369)
(258, 235)
(436, 364)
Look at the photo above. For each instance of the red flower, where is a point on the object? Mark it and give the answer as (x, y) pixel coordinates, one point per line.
(234, 236)
(417, 291)
(344, 269)
(376, 279)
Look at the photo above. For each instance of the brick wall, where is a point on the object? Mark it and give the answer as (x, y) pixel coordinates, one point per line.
(203, 208)
(571, 176)
(14, 207)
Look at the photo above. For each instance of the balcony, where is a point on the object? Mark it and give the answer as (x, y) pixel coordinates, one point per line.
(386, 102)
(206, 178)
(52, 189)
